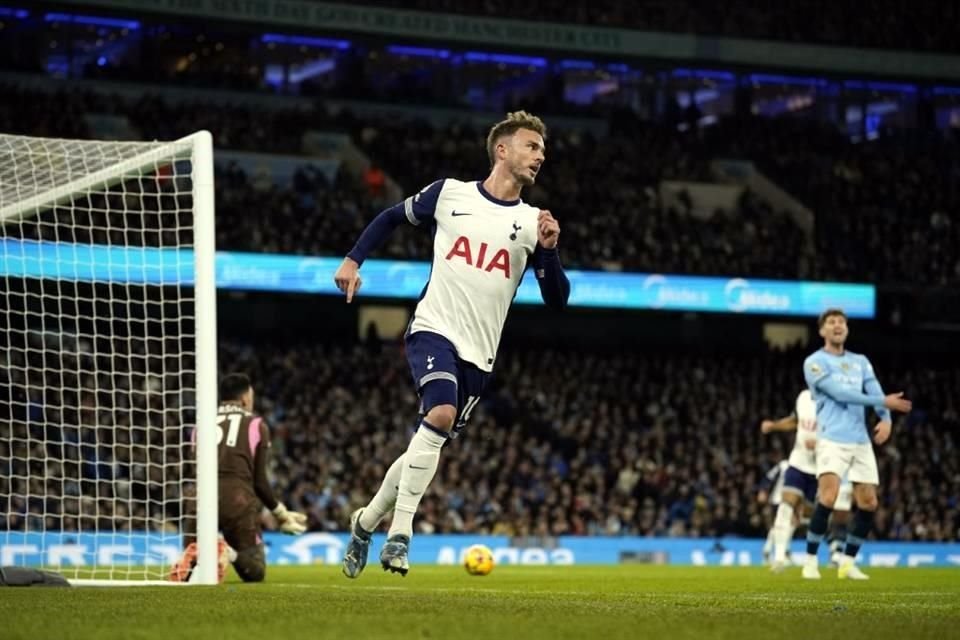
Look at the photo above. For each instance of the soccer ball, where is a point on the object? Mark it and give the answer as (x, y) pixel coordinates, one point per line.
(478, 560)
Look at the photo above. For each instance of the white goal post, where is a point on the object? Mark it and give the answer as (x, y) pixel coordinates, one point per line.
(108, 357)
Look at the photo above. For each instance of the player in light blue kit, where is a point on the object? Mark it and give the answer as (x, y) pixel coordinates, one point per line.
(484, 238)
(843, 384)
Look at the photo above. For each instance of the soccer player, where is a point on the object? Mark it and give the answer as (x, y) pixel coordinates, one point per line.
(244, 455)
(843, 384)
(799, 480)
(484, 238)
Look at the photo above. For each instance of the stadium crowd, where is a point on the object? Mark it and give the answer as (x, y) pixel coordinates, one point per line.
(883, 24)
(634, 444)
(646, 444)
(884, 209)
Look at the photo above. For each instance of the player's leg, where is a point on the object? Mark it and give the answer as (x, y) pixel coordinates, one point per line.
(833, 460)
(775, 499)
(782, 529)
(364, 521)
(249, 556)
(384, 500)
(828, 485)
(419, 466)
(435, 368)
(837, 535)
(251, 564)
(797, 487)
(769, 542)
(865, 478)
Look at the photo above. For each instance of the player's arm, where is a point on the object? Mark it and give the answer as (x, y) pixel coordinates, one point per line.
(554, 284)
(290, 521)
(788, 423)
(872, 386)
(818, 377)
(415, 210)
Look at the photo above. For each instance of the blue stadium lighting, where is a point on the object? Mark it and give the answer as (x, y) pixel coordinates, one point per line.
(10, 12)
(710, 74)
(117, 23)
(405, 280)
(503, 58)
(946, 91)
(577, 64)
(895, 87)
(766, 78)
(306, 41)
(619, 67)
(424, 52)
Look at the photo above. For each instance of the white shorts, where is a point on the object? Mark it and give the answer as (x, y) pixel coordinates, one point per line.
(855, 461)
(844, 497)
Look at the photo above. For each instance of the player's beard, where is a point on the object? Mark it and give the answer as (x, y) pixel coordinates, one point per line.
(521, 173)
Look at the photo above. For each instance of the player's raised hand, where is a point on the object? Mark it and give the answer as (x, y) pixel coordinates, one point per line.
(766, 426)
(347, 278)
(548, 230)
(896, 402)
(881, 432)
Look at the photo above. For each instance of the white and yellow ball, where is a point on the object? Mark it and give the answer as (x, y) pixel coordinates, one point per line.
(478, 560)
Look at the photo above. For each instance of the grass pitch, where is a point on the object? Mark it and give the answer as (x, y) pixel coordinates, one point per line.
(513, 602)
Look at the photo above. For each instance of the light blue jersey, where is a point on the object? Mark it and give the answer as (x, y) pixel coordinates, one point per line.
(842, 386)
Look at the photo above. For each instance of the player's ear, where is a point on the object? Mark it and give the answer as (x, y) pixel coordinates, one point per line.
(502, 148)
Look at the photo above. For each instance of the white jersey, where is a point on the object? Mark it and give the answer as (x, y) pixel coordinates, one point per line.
(803, 458)
(481, 246)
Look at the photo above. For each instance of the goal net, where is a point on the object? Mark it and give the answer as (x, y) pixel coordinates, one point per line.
(107, 357)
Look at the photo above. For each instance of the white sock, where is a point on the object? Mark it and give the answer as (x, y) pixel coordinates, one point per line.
(768, 545)
(782, 531)
(382, 503)
(418, 468)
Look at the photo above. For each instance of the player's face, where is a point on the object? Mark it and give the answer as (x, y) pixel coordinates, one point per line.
(248, 399)
(525, 154)
(834, 330)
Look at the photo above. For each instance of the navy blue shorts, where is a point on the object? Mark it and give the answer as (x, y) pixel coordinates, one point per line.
(797, 481)
(441, 377)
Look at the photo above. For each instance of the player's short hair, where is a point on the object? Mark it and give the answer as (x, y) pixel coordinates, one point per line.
(830, 312)
(515, 121)
(233, 386)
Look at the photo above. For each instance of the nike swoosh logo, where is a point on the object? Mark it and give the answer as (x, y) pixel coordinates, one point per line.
(413, 467)
(455, 214)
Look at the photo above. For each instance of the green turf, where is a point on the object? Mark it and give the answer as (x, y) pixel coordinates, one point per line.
(598, 603)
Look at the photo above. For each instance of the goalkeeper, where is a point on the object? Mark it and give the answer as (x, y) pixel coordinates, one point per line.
(244, 455)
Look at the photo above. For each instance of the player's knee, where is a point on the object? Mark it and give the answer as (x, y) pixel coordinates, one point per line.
(828, 496)
(250, 565)
(442, 416)
(255, 572)
(867, 502)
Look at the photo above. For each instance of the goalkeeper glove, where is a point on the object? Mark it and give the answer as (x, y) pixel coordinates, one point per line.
(290, 521)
